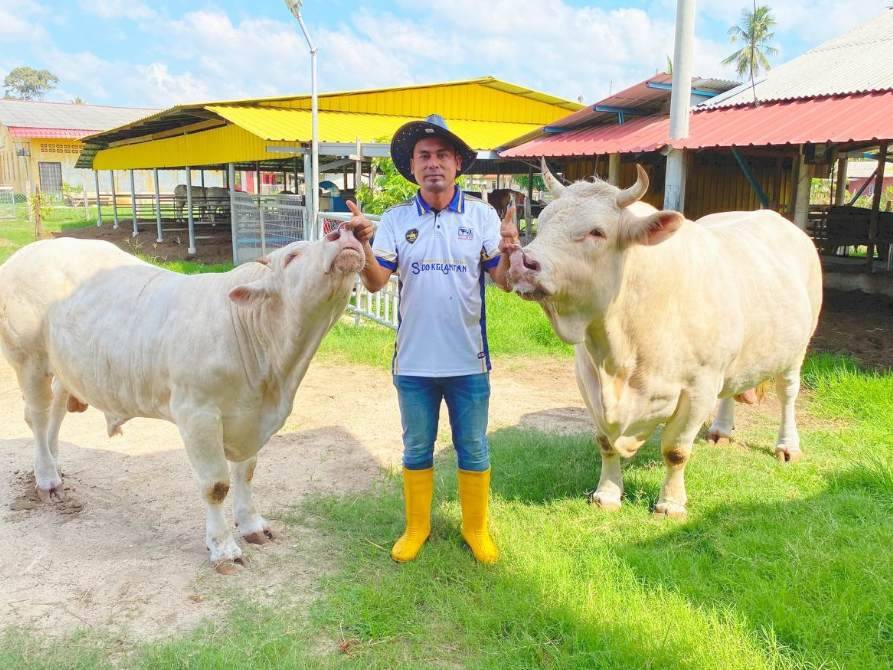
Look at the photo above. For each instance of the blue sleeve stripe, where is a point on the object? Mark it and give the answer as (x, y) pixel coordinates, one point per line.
(386, 264)
(490, 263)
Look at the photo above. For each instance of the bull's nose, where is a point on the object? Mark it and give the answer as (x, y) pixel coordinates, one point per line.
(530, 263)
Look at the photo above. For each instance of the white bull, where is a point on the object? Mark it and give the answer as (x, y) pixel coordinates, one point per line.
(668, 315)
(220, 355)
(181, 191)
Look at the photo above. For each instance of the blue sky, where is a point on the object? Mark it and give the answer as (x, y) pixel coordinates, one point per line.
(158, 53)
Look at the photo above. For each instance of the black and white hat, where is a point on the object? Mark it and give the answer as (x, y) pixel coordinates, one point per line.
(404, 141)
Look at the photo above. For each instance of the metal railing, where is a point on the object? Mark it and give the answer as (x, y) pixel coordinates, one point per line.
(382, 307)
(7, 203)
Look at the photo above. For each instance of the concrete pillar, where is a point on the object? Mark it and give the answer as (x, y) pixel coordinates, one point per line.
(231, 183)
(680, 103)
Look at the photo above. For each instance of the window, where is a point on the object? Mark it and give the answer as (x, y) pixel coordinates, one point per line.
(50, 177)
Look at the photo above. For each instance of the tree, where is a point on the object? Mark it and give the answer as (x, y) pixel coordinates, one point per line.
(389, 187)
(26, 83)
(755, 35)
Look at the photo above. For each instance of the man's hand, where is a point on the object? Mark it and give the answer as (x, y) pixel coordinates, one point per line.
(508, 231)
(359, 224)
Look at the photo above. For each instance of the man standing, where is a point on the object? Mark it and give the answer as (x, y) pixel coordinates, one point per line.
(440, 242)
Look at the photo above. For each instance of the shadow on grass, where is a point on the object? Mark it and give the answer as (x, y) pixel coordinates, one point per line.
(799, 583)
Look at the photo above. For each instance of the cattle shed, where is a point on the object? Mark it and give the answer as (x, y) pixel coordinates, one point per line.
(762, 145)
(261, 147)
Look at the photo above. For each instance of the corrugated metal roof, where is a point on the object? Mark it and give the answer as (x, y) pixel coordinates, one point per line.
(866, 117)
(294, 125)
(649, 96)
(42, 133)
(855, 62)
(66, 115)
(644, 134)
(481, 99)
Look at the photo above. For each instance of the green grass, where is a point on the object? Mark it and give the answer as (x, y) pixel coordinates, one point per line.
(782, 567)
(16, 233)
(514, 328)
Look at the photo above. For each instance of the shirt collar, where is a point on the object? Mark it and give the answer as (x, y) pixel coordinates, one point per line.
(457, 204)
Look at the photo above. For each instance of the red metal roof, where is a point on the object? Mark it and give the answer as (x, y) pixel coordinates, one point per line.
(49, 133)
(850, 118)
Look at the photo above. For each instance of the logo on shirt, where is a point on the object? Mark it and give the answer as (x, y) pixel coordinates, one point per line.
(412, 235)
(465, 233)
(441, 267)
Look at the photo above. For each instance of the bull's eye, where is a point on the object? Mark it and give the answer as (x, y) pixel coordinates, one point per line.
(597, 233)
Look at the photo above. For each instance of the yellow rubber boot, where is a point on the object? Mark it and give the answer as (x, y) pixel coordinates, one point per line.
(418, 488)
(474, 492)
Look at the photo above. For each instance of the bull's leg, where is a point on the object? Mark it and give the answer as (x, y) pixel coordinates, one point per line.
(610, 484)
(675, 445)
(724, 423)
(202, 433)
(252, 526)
(58, 410)
(35, 383)
(787, 448)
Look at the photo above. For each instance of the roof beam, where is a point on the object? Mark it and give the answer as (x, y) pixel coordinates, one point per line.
(173, 132)
(700, 92)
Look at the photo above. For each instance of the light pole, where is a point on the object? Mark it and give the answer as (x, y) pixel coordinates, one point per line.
(294, 6)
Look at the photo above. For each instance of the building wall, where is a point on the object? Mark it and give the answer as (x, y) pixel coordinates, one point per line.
(714, 182)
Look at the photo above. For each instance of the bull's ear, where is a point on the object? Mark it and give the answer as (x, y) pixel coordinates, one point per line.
(247, 294)
(652, 228)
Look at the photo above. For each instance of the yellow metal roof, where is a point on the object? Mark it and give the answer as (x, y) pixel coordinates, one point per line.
(485, 112)
(294, 125)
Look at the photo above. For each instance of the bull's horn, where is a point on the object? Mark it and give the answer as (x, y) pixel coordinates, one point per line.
(555, 187)
(635, 192)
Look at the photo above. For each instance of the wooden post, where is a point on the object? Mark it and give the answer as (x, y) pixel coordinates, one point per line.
(840, 192)
(804, 181)
(875, 207)
(613, 169)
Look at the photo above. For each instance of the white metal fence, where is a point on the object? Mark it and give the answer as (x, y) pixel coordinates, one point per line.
(267, 222)
(7, 203)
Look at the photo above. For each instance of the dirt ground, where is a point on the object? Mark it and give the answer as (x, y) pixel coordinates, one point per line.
(124, 553)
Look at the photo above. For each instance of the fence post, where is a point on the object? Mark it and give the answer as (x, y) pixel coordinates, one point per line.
(136, 228)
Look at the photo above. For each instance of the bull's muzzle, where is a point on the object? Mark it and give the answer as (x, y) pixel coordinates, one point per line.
(349, 256)
(524, 275)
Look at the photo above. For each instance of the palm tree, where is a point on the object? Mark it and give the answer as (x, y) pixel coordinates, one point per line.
(755, 34)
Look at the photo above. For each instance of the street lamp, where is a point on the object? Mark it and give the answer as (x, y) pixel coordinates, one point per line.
(294, 6)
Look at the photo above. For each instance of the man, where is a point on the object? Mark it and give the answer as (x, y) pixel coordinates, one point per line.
(441, 242)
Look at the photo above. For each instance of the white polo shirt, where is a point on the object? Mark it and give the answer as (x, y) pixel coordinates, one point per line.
(441, 258)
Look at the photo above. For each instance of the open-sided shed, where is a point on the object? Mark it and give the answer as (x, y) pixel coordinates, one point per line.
(274, 134)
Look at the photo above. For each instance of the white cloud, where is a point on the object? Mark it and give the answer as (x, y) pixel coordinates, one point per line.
(20, 21)
(117, 9)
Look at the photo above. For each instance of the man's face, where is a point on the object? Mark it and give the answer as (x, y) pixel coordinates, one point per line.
(434, 164)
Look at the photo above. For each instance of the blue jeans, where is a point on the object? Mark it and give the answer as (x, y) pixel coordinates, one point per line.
(468, 401)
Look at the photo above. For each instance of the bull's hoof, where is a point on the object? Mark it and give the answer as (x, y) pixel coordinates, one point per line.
(603, 501)
(788, 455)
(260, 537)
(52, 493)
(229, 567)
(718, 438)
(669, 510)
